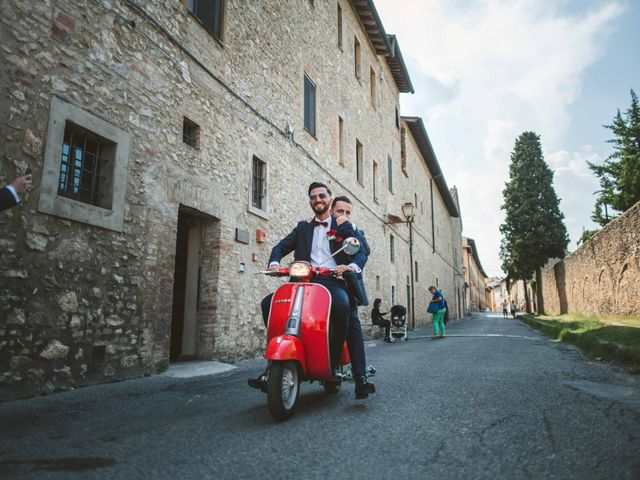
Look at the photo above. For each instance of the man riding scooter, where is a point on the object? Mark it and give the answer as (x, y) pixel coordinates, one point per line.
(315, 242)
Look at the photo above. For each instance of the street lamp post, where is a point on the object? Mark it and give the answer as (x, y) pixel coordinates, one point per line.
(407, 211)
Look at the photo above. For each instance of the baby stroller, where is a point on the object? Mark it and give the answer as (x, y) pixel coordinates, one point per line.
(398, 323)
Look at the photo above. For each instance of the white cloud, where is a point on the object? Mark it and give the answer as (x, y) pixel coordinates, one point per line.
(485, 71)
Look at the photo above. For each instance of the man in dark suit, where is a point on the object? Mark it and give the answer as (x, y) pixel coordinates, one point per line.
(342, 209)
(10, 195)
(311, 242)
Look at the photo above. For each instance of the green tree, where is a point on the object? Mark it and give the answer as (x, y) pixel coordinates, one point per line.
(619, 175)
(586, 235)
(533, 230)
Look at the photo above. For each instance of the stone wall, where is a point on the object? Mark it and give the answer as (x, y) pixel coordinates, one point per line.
(82, 304)
(602, 277)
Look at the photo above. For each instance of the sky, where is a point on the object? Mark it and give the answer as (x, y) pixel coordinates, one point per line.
(486, 71)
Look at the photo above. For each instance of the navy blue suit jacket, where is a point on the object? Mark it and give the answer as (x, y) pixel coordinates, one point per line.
(301, 237)
(6, 199)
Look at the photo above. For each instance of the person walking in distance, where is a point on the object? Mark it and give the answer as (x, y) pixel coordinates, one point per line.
(438, 308)
(505, 308)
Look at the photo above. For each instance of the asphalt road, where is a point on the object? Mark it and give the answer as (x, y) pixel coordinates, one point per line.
(494, 400)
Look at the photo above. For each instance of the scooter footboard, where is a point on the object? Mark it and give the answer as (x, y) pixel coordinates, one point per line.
(286, 347)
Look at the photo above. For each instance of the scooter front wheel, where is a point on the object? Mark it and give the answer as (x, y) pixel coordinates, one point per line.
(283, 389)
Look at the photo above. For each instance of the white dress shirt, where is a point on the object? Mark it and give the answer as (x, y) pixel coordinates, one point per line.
(14, 193)
(320, 247)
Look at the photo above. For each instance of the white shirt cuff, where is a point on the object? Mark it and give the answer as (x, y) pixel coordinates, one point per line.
(14, 193)
(355, 267)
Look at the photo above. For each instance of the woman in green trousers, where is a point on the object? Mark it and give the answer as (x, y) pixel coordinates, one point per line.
(437, 304)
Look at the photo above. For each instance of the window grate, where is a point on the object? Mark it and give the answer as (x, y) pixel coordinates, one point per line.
(83, 165)
(259, 184)
(190, 133)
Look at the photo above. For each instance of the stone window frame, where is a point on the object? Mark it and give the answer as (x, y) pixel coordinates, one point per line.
(50, 202)
(262, 213)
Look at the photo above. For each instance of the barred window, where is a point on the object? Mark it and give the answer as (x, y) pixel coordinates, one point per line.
(259, 184)
(190, 133)
(86, 167)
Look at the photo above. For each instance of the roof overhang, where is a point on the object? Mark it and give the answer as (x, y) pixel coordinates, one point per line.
(474, 253)
(419, 133)
(386, 45)
(397, 67)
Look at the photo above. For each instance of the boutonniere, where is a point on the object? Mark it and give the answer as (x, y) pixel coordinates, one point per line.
(331, 234)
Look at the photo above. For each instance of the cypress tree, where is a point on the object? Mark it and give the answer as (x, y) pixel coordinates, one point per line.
(619, 175)
(533, 230)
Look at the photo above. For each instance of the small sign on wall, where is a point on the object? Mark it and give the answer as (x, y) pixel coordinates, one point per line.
(242, 236)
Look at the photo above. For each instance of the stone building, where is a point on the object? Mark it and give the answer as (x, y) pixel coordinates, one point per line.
(497, 287)
(474, 277)
(171, 149)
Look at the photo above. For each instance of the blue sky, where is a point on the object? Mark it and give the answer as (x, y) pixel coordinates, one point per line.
(485, 71)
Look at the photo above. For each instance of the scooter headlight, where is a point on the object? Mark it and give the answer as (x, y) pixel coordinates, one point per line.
(300, 269)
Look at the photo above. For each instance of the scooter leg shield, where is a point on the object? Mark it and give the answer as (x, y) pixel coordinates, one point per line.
(286, 347)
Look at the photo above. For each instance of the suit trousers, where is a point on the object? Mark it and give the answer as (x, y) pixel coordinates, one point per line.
(338, 317)
(355, 340)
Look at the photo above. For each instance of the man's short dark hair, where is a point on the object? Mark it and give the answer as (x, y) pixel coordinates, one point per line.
(341, 198)
(433, 288)
(318, 185)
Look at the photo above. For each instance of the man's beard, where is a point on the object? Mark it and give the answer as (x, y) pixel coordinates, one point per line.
(320, 209)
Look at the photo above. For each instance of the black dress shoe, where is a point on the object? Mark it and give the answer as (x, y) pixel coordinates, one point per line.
(259, 383)
(364, 388)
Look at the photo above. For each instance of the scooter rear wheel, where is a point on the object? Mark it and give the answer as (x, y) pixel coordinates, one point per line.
(283, 389)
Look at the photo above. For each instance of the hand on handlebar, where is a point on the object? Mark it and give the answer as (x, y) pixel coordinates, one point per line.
(273, 268)
(340, 269)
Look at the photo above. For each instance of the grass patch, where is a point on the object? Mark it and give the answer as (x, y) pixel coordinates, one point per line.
(613, 339)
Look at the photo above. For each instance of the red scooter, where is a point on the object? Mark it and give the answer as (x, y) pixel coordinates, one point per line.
(298, 335)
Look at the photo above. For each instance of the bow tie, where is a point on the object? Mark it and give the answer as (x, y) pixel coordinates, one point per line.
(317, 223)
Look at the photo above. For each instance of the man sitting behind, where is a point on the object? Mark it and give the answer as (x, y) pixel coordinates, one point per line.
(310, 242)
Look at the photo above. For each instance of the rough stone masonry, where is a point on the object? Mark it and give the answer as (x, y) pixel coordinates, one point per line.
(90, 290)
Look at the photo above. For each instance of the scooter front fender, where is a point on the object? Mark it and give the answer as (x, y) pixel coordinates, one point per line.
(286, 347)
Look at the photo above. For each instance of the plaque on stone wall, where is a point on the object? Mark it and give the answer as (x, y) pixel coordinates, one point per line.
(242, 236)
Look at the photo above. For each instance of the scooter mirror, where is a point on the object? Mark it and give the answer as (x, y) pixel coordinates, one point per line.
(351, 245)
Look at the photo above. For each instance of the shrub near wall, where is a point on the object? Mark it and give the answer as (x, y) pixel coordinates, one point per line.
(602, 277)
